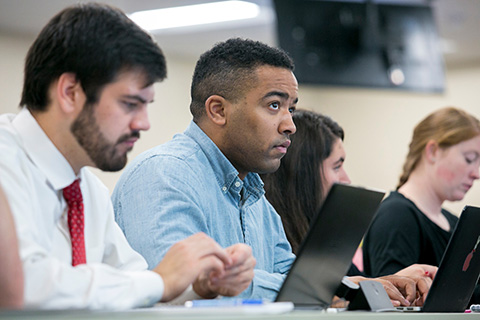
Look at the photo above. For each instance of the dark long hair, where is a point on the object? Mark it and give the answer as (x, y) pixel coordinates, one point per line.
(295, 189)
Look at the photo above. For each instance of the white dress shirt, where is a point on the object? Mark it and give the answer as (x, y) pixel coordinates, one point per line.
(33, 173)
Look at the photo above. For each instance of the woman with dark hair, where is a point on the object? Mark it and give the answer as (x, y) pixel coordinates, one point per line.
(315, 157)
(313, 163)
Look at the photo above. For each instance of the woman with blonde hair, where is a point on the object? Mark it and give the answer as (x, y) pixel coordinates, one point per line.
(442, 164)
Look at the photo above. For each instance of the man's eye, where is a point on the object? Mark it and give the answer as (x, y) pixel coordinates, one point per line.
(274, 105)
(130, 105)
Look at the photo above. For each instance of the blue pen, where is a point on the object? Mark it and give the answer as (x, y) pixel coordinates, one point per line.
(222, 302)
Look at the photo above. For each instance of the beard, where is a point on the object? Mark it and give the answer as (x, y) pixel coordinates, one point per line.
(103, 153)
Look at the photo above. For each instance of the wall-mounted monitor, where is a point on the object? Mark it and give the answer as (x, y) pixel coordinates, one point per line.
(362, 43)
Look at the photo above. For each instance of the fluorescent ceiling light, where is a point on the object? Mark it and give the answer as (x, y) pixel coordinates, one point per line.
(195, 14)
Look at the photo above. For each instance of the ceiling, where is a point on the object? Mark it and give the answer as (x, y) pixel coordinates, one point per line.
(458, 25)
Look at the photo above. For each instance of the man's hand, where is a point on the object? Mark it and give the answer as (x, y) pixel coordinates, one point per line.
(408, 286)
(189, 258)
(400, 290)
(423, 275)
(234, 280)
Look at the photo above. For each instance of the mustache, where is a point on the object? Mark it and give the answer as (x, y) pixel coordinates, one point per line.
(134, 134)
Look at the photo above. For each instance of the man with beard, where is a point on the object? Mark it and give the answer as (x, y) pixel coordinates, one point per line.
(88, 80)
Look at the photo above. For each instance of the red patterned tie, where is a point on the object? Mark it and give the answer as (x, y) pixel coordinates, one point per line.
(73, 196)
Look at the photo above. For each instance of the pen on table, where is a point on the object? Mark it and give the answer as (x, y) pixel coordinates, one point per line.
(223, 302)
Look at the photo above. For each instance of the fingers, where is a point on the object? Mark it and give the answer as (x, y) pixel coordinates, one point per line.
(242, 259)
(213, 270)
(422, 275)
(407, 290)
(248, 264)
(202, 284)
(244, 270)
(394, 294)
(201, 245)
(239, 253)
(405, 286)
(186, 260)
(423, 286)
(232, 285)
(338, 303)
(239, 275)
(211, 264)
(235, 280)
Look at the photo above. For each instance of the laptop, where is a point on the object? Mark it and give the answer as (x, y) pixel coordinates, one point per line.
(327, 251)
(459, 268)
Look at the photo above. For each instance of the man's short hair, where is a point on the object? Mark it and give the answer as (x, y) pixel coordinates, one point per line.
(228, 70)
(95, 42)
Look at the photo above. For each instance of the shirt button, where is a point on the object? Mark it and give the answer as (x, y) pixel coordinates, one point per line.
(237, 184)
(224, 189)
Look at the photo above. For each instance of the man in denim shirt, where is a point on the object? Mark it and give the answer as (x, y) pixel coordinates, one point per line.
(243, 96)
(206, 179)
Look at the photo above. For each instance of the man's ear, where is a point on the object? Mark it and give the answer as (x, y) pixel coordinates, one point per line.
(431, 151)
(215, 107)
(69, 92)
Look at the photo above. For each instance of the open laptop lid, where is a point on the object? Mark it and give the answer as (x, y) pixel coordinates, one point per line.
(459, 269)
(327, 251)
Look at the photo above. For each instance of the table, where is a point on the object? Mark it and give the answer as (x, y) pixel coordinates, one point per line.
(294, 315)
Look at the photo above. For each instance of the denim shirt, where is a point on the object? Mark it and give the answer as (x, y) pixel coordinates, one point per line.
(186, 186)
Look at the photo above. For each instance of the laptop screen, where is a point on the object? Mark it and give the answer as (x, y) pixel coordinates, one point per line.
(326, 252)
(459, 269)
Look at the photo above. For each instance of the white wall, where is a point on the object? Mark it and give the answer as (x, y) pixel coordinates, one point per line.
(378, 123)
(12, 55)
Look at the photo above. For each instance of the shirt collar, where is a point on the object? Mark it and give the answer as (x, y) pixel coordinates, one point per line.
(41, 150)
(225, 172)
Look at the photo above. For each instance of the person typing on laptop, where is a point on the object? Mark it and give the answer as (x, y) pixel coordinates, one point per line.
(206, 179)
(442, 164)
(89, 77)
(297, 189)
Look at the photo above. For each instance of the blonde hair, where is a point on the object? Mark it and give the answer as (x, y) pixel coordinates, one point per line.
(448, 126)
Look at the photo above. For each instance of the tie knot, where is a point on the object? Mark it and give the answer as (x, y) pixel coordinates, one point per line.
(72, 193)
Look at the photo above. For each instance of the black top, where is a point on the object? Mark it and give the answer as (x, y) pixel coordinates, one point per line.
(354, 271)
(401, 235)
